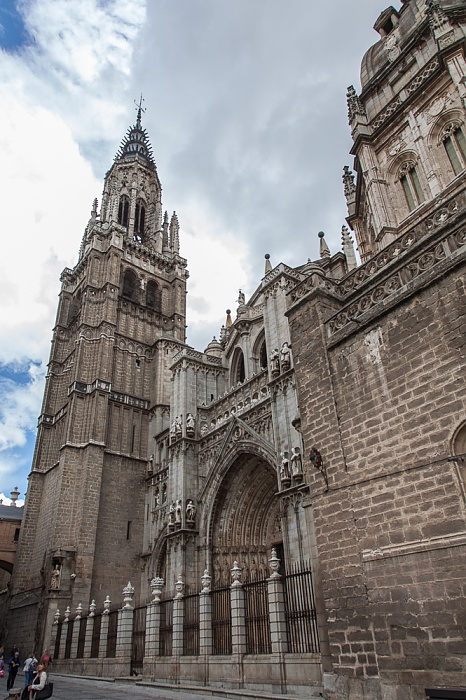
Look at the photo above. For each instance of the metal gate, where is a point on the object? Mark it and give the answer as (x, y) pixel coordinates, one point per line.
(139, 638)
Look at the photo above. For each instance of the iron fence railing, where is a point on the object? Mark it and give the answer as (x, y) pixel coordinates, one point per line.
(191, 625)
(257, 617)
(166, 627)
(221, 620)
(300, 611)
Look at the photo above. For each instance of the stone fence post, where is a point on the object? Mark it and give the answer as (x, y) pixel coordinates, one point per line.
(125, 624)
(152, 642)
(276, 601)
(54, 631)
(76, 626)
(205, 615)
(238, 625)
(89, 630)
(104, 629)
(64, 631)
(178, 619)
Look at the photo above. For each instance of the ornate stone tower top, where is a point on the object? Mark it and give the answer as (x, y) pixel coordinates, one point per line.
(136, 144)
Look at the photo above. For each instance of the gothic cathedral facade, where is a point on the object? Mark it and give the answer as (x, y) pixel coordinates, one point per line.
(296, 491)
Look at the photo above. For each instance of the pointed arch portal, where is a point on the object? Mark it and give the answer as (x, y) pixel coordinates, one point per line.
(245, 520)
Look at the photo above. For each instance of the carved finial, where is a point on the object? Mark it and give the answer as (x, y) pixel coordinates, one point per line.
(348, 248)
(236, 575)
(174, 233)
(437, 17)
(324, 249)
(156, 586)
(355, 105)
(274, 563)
(348, 183)
(107, 604)
(95, 204)
(206, 581)
(228, 322)
(92, 608)
(268, 264)
(128, 592)
(14, 496)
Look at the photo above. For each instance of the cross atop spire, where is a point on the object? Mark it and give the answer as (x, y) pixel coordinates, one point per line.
(140, 110)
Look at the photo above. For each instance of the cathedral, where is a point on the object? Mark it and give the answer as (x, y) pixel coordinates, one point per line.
(283, 512)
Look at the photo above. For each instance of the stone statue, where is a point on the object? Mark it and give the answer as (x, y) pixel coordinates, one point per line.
(178, 512)
(296, 463)
(190, 512)
(285, 356)
(157, 498)
(275, 362)
(285, 467)
(171, 515)
(190, 425)
(55, 582)
(176, 430)
(241, 297)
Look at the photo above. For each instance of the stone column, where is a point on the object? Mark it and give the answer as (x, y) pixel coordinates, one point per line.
(178, 619)
(89, 630)
(276, 600)
(54, 632)
(238, 626)
(125, 624)
(104, 629)
(76, 626)
(205, 616)
(152, 642)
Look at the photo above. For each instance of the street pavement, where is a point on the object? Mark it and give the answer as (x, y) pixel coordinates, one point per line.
(71, 688)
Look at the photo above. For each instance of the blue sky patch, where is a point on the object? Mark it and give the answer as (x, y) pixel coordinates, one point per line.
(13, 33)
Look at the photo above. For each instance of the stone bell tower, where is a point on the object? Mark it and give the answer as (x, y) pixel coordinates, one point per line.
(120, 319)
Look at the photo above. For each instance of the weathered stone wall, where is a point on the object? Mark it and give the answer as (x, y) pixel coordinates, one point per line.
(382, 406)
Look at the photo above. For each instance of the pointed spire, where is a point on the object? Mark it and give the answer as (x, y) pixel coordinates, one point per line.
(136, 142)
(348, 248)
(268, 264)
(165, 246)
(174, 234)
(95, 204)
(228, 322)
(324, 249)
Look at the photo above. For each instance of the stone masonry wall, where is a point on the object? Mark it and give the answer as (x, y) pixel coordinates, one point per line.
(382, 407)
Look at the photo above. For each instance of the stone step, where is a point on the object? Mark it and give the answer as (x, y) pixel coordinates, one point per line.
(312, 692)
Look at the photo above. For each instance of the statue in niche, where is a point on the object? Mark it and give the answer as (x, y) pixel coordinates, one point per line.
(285, 467)
(190, 425)
(171, 515)
(164, 494)
(296, 463)
(178, 512)
(157, 498)
(190, 513)
(275, 362)
(176, 430)
(285, 356)
(56, 574)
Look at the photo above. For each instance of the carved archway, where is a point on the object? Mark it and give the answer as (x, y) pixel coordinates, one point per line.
(245, 519)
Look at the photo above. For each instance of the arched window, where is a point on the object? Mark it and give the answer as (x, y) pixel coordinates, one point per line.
(411, 185)
(455, 145)
(153, 295)
(263, 356)
(239, 371)
(74, 307)
(123, 211)
(130, 285)
(139, 220)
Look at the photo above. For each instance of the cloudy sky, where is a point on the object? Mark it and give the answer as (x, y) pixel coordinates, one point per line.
(246, 111)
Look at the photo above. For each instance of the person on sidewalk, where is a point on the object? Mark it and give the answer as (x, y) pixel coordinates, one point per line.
(13, 666)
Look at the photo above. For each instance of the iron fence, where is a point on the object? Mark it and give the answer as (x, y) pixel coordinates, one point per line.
(95, 643)
(300, 611)
(56, 653)
(257, 617)
(81, 637)
(191, 625)
(139, 638)
(112, 634)
(166, 627)
(69, 638)
(221, 621)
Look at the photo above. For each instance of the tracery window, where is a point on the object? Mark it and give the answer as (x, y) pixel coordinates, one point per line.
(411, 185)
(130, 285)
(263, 356)
(123, 211)
(139, 220)
(240, 373)
(455, 145)
(153, 295)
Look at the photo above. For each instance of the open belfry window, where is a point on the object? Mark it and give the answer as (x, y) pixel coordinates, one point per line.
(411, 185)
(123, 211)
(454, 142)
(139, 220)
(130, 284)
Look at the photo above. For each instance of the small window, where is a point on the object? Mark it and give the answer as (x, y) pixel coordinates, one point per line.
(411, 185)
(128, 530)
(123, 211)
(455, 146)
(16, 535)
